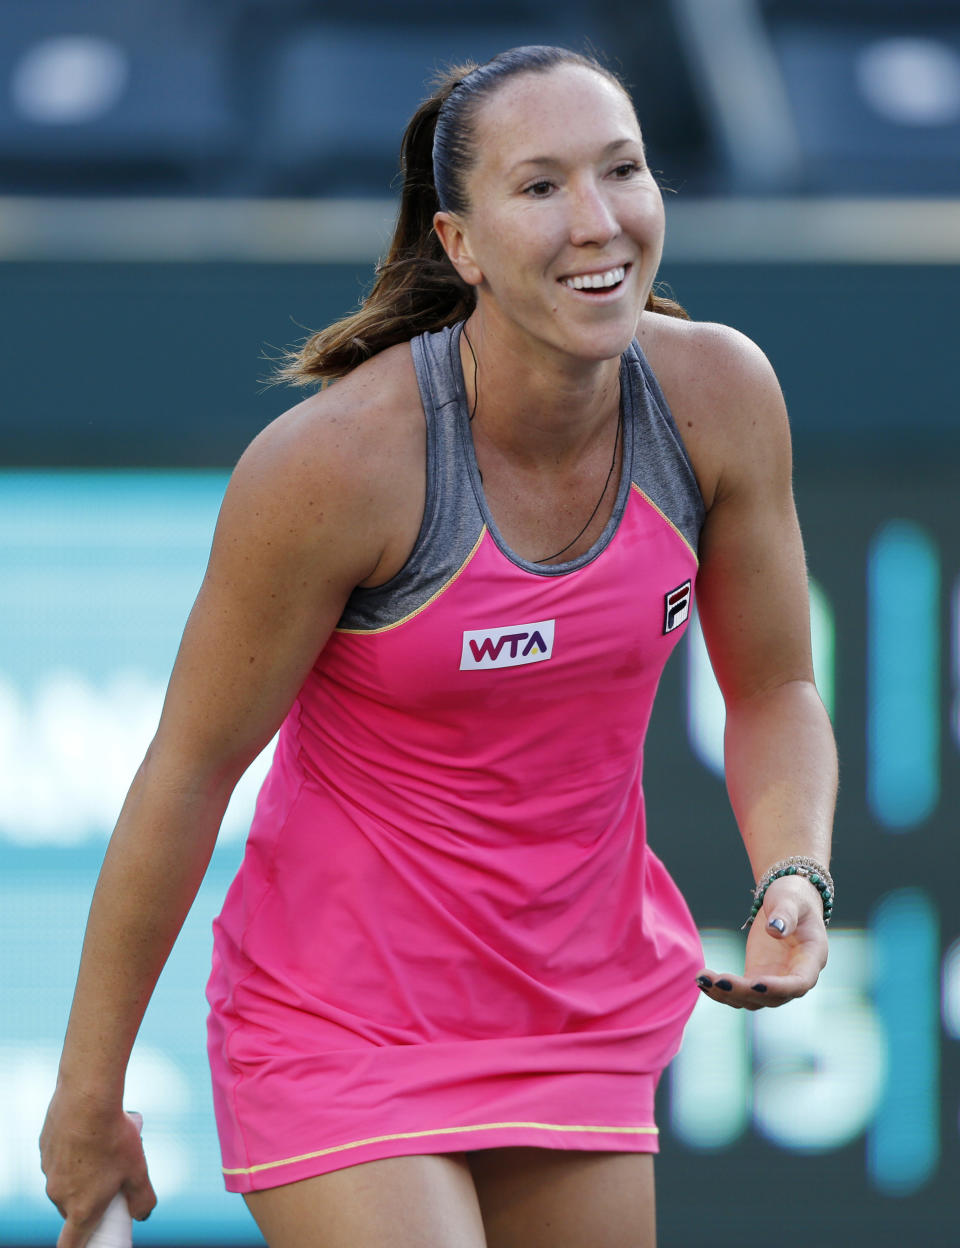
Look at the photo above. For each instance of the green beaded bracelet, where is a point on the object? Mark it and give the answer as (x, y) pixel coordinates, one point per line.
(808, 869)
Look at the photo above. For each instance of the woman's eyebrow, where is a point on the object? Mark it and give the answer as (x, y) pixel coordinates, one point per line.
(551, 162)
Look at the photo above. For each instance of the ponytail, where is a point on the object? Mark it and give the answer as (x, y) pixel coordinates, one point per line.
(666, 307)
(417, 290)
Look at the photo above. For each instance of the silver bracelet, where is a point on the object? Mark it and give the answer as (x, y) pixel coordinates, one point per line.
(808, 869)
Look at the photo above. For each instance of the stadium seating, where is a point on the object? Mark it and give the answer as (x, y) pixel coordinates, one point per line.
(845, 97)
(106, 95)
(307, 97)
(337, 98)
(874, 92)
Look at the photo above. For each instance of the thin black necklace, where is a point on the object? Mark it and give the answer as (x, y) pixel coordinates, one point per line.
(606, 484)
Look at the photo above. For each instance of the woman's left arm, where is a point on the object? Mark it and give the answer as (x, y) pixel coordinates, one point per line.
(781, 765)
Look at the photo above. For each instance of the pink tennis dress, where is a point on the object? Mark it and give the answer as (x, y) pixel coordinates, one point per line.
(448, 931)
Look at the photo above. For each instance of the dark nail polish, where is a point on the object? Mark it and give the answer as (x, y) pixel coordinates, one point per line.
(704, 981)
(724, 984)
(759, 987)
(778, 924)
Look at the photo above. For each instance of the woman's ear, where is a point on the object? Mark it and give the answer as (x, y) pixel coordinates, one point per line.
(453, 239)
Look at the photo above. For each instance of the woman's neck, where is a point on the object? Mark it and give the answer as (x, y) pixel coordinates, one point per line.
(535, 406)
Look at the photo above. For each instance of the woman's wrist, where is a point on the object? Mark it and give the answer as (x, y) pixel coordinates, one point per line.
(796, 867)
(92, 1092)
(796, 886)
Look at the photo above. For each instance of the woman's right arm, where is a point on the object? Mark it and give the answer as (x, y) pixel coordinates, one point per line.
(296, 533)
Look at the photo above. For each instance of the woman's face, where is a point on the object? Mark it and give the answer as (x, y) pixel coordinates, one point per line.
(565, 229)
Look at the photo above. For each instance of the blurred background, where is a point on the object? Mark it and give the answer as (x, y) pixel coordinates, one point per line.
(187, 185)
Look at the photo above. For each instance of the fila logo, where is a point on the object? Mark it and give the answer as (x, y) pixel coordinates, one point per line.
(507, 647)
(676, 607)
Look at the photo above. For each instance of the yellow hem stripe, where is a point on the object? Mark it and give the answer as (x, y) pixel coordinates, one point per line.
(386, 628)
(416, 1135)
(663, 515)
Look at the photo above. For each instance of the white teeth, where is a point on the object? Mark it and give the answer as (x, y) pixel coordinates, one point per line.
(596, 281)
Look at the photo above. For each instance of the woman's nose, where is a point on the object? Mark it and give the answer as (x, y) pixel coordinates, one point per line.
(592, 217)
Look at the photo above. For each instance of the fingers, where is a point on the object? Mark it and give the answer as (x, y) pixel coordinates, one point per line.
(80, 1212)
(753, 992)
(83, 1178)
(737, 991)
(78, 1228)
(781, 914)
(84, 1219)
(759, 990)
(141, 1198)
(780, 967)
(786, 951)
(790, 905)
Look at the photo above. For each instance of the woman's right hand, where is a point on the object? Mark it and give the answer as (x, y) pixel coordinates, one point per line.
(89, 1152)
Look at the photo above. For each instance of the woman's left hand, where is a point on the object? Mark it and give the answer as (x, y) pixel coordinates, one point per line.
(786, 950)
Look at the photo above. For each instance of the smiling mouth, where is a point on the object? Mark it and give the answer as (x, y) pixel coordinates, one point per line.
(610, 279)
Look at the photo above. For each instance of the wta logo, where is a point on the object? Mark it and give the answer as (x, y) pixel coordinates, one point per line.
(507, 647)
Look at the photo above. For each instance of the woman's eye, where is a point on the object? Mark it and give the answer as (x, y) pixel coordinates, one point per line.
(539, 190)
(624, 171)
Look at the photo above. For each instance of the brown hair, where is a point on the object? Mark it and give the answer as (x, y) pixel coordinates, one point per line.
(417, 289)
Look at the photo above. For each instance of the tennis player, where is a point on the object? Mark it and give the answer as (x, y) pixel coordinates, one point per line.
(450, 971)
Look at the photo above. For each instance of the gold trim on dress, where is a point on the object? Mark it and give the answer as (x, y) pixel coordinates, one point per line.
(663, 516)
(371, 632)
(416, 1135)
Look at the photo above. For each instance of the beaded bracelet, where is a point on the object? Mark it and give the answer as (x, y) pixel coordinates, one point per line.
(808, 869)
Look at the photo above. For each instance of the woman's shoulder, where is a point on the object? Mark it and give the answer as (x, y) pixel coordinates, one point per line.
(702, 356)
(379, 395)
(357, 425)
(348, 459)
(722, 392)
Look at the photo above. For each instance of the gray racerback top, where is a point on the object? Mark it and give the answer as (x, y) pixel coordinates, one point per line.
(455, 509)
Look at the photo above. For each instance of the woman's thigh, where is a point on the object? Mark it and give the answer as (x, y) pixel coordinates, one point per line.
(400, 1202)
(545, 1198)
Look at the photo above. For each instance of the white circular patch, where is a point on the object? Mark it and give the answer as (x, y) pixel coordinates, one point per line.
(69, 80)
(915, 82)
